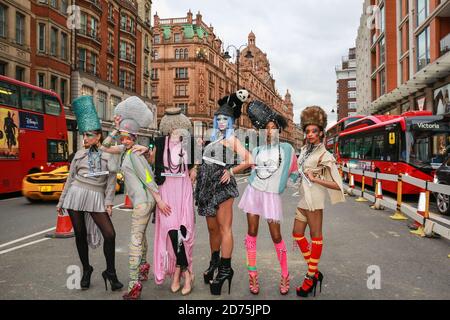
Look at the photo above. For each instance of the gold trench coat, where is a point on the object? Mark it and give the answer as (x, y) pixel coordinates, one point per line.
(323, 165)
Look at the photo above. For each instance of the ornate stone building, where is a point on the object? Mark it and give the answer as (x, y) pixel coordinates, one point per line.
(189, 71)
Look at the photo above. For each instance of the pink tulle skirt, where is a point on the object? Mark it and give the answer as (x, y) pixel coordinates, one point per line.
(264, 204)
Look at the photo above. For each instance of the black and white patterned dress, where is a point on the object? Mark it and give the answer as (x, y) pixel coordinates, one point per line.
(210, 192)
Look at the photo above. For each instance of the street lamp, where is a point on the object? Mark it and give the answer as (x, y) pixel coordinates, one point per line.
(227, 56)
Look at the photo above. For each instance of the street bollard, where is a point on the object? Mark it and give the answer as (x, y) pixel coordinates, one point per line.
(361, 198)
(378, 196)
(398, 215)
(422, 209)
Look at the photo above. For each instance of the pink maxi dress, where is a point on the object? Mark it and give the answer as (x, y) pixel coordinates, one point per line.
(177, 192)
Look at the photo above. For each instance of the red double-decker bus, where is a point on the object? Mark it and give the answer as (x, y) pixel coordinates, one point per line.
(332, 135)
(414, 143)
(33, 132)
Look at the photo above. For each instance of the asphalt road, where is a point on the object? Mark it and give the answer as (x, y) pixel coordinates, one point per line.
(357, 240)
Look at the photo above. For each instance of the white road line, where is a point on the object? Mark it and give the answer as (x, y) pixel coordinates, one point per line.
(23, 245)
(395, 234)
(117, 207)
(27, 237)
(374, 234)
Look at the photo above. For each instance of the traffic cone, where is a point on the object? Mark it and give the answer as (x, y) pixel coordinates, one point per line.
(378, 197)
(361, 197)
(127, 204)
(420, 211)
(351, 186)
(64, 228)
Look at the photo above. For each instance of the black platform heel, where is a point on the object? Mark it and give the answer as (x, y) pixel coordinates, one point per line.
(113, 281)
(214, 263)
(85, 281)
(225, 273)
(319, 278)
(304, 293)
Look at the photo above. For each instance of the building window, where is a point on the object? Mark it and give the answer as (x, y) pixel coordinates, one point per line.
(383, 19)
(422, 11)
(352, 84)
(101, 104)
(181, 90)
(155, 54)
(3, 66)
(20, 28)
(64, 6)
(3, 21)
(113, 102)
(54, 3)
(20, 73)
(183, 107)
(352, 105)
(382, 51)
(154, 91)
(352, 94)
(41, 80)
(53, 44)
(53, 81)
(82, 59)
(63, 90)
(423, 49)
(177, 37)
(93, 31)
(122, 76)
(132, 26)
(145, 89)
(181, 73)
(93, 66)
(154, 74)
(87, 91)
(41, 42)
(110, 12)
(110, 72)
(157, 39)
(63, 46)
(383, 82)
(123, 50)
(123, 22)
(146, 64)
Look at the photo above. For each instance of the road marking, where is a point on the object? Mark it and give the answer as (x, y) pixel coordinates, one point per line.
(27, 237)
(23, 245)
(118, 207)
(375, 235)
(395, 234)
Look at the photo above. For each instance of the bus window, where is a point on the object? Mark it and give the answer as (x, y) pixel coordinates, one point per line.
(378, 147)
(366, 149)
(57, 151)
(9, 95)
(31, 99)
(356, 150)
(391, 149)
(52, 105)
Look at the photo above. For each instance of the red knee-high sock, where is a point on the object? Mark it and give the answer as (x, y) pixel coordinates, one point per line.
(316, 252)
(250, 245)
(282, 257)
(303, 244)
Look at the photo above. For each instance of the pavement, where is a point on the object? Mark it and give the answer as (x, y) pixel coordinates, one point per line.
(366, 256)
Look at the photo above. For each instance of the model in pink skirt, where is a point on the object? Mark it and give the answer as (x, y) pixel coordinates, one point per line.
(275, 162)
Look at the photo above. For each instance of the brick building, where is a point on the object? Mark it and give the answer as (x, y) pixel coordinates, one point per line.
(410, 56)
(190, 71)
(346, 85)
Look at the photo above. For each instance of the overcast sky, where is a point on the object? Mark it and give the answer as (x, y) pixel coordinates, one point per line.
(304, 39)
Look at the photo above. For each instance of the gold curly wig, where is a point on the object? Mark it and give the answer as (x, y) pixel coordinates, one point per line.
(313, 115)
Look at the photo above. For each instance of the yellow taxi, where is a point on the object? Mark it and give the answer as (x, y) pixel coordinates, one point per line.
(48, 186)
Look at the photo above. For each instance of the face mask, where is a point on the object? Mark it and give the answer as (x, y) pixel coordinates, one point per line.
(222, 122)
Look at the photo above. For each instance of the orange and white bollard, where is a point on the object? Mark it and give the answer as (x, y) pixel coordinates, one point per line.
(64, 228)
(378, 197)
(421, 210)
(351, 185)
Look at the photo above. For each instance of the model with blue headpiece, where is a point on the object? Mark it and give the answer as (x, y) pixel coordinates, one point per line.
(216, 187)
(88, 194)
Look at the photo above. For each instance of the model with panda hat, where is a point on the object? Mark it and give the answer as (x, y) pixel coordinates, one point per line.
(216, 187)
(275, 162)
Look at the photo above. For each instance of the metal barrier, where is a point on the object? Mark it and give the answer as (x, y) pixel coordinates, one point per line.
(421, 215)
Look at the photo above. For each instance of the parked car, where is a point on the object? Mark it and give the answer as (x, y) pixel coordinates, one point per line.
(48, 186)
(443, 177)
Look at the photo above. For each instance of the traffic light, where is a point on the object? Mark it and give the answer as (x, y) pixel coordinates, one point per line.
(151, 144)
(247, 143)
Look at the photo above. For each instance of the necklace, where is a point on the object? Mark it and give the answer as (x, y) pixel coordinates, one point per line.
(266, 163)
(175, 168)
(94, 160)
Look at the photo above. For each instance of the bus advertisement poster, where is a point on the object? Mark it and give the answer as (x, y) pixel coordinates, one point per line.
(9, 134)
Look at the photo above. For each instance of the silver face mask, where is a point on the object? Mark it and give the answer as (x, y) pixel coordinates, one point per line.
(222, 122)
